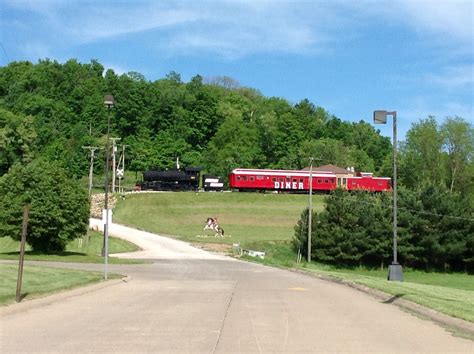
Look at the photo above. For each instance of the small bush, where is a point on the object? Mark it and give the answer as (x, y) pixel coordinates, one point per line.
(59, 209)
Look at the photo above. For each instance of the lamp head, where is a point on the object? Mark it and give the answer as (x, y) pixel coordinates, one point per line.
(109, 101)
(380, 117)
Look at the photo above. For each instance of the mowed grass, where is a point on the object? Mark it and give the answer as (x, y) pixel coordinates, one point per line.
(39, 281)
(81, 250)
(245, 217)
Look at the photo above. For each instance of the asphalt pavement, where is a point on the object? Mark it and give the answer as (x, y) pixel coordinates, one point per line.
(191, 301)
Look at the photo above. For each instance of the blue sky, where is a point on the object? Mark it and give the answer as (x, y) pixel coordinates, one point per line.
(350, 57)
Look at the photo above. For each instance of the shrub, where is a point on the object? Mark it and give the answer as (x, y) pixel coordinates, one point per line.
(59, 205)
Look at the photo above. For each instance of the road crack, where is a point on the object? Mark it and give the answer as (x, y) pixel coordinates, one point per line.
(225, 317)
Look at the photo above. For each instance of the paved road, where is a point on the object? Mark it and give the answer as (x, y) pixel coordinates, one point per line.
(210, 304)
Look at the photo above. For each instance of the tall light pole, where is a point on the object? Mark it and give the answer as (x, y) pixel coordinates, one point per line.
(310, 208)
(109, 103)
(395, 271)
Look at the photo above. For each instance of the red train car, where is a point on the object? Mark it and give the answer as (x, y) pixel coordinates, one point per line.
(280, 180)
(298, 181)
(366, 181)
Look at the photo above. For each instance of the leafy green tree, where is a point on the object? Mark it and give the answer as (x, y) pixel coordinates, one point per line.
(421, 159)
(450, 227)
(435, 229)
(458, 138)
(327, 151)
(234, 145)
(17, 139)
(59, 205)
(363, 137)
(300, 240)
(355, 229)
(268, 133)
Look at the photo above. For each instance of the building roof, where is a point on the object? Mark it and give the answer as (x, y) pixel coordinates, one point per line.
(330, 168)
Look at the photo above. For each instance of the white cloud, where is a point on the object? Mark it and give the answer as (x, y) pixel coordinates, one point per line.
(454, 77)
(231, 28)
(451, 20)
(116, 22)
(454, 19)
(240, 28)
(422, 107)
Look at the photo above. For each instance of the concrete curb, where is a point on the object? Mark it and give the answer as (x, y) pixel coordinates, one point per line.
(48, 299)
(450, 323)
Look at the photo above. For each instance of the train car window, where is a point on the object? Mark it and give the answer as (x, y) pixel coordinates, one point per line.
(274, 179)
(288, 178)
(238, 178)
(325, 181)
(244, 178)
(259, 177)
(281, 179)
(252, 178)
(319, 181)
(301, 180)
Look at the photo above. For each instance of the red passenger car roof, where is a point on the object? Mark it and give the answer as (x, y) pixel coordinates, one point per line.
(244, 171)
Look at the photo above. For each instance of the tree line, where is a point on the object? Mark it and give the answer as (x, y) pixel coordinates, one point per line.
(436, 207)
(435, 230)
(50, 110)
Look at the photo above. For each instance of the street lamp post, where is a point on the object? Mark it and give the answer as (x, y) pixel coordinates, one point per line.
(109, 103)
(395, 271)
(310, 208)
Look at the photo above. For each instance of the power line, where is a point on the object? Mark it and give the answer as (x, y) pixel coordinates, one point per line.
(5, 52)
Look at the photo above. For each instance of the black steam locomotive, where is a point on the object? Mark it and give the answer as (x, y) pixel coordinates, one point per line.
(187, 179)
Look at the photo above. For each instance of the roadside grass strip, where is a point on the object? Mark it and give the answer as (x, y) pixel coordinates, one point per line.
(40, 281)
(450, 301)
(86, 249)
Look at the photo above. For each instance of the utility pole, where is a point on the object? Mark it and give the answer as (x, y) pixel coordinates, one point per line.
(114, 150)
(91, 167)
(310, 208)
(121, 167)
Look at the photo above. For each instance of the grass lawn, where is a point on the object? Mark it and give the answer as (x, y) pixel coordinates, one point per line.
(265, 222)
(245, 217)
(38, 281)
(84, 250)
